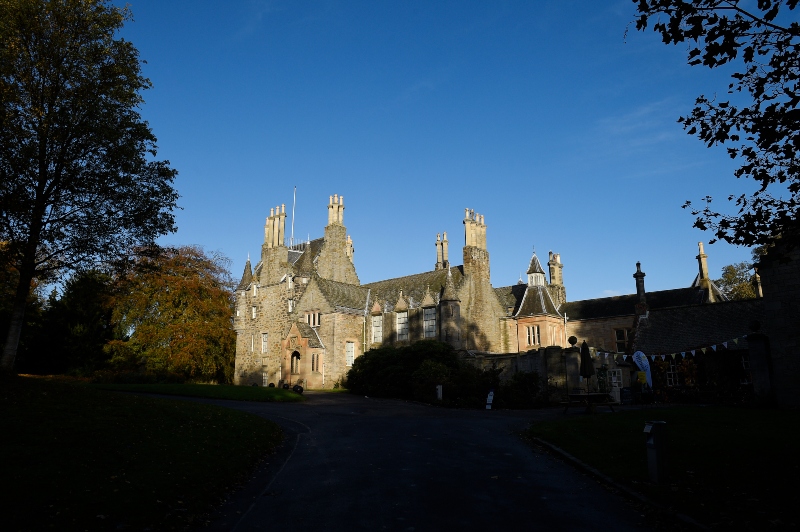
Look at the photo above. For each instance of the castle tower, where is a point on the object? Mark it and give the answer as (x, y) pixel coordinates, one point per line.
(274, 253)
(557, 289)
(335, 260)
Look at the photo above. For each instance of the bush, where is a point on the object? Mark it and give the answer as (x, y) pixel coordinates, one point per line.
(413, 372)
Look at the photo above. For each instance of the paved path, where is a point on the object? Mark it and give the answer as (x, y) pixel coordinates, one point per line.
(355, 463)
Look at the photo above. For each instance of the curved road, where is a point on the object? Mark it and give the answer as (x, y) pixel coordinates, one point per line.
(356, 463)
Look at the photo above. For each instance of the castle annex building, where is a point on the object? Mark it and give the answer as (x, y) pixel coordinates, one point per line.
(303, 317)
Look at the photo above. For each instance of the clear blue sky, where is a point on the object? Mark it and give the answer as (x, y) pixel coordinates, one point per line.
(542, 116)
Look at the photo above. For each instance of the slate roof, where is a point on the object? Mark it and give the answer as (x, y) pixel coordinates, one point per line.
(606, 307)
(673, 330)
(511, 296)
(536, 301)
(247, 276)
(306, 331)
(343, 295)
(535, 266)
(304, 262)
(414, 286)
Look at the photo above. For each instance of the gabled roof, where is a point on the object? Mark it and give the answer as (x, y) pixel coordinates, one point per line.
(606, 307)
(306, 331)
(343, 295)
(247, 276)
(535, 266)
(718, 294)
(673, 330)
(414, 286)
(537, 301)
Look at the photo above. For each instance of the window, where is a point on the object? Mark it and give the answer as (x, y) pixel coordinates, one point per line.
(314, 318)
(615, 378)
(377, 329)
(252, 343)
(238, 311)
(672, 373)
(291, 305)
(295, 369)
(429, 322)
(553, 335)
(264, 380)
(316, 361)
(253, 312)
(255, 290)
(402, 326)
(350, 353)
(621, 339)
(264, 337)
(533, 333)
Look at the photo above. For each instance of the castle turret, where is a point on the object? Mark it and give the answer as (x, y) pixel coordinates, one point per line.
(450, 313)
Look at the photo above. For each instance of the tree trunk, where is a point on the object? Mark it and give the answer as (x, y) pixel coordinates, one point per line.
(17, 320)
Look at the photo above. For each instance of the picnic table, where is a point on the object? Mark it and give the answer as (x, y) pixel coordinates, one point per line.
(589, 400)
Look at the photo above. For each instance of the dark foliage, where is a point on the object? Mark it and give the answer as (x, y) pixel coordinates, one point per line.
(413, 372)
(760, 123)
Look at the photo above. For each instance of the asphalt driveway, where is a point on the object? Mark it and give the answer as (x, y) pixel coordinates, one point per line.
(357, 463)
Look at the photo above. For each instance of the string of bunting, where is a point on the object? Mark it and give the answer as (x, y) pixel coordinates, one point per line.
(693, 352)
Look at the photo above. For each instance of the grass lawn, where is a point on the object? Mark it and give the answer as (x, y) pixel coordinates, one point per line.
(728, 468)
(212, 391)
(80, 458)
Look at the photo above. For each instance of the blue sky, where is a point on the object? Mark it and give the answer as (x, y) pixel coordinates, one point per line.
(542, 116)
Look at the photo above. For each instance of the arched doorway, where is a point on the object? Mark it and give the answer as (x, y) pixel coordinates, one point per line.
(294, 366)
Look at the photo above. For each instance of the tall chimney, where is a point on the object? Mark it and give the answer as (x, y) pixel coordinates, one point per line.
(639, 276)
(438, 252)
(445, 259)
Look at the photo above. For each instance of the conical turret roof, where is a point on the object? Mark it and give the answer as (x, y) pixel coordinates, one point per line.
(535, 266)
(247, 276)
(449, 293)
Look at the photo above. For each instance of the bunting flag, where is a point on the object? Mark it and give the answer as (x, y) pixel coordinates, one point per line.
(703, 349)
(624, 357)
(726, 344)
(714, 347)
(693, 350)
(663, 357)
(736, 341)
(683, 353)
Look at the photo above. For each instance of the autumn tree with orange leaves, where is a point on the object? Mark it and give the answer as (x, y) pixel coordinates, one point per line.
(172, 313)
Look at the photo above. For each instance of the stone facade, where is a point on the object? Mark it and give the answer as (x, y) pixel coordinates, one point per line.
(302, 315)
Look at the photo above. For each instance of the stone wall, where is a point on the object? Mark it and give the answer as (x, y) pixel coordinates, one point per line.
(599, 332)
(781, 288)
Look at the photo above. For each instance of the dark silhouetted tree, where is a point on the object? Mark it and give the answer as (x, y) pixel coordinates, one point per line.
(760, 40)
(78, 183)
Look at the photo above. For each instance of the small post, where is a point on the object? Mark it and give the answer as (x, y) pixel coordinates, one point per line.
(489, 399)
(656, 443)
(439, 392)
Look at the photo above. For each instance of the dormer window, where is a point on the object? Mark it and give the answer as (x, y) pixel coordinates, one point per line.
(314, 318)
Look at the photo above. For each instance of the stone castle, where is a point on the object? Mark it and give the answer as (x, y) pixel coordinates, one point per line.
(302, 316)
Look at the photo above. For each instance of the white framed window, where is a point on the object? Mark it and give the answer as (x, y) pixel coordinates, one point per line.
(429, 322)
(314, 318)
(377, 329)
(533, 335)
(252, 342)
(350, 352)
(291, 305)
(402, 326)
(264, 338)
(672, 374)
(615, 378)
(264, 378)
(255, 290)
(621, 339)
(253, 312)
